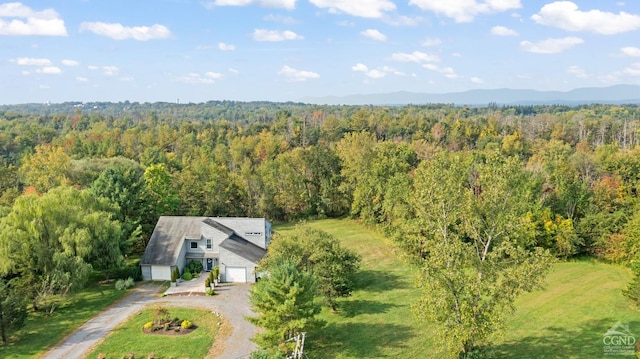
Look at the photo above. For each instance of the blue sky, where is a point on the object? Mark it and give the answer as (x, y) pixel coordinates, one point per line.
(283, 50)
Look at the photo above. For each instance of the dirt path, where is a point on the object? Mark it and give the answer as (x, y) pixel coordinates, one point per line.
(231, 302)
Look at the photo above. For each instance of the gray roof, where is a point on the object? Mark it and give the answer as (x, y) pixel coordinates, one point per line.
(166, 241)
(243, 248)
(170, 232)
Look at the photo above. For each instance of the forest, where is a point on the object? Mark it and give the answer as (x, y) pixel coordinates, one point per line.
(82, 185)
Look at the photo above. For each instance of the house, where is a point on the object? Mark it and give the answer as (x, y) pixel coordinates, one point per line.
(235, 244)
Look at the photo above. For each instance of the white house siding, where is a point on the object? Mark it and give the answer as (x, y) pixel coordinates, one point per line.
(228, 259)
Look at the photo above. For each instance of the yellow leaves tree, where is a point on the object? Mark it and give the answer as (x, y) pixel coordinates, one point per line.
(46, 168)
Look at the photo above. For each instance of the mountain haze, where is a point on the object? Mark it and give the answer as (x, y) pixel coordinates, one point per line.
(619, 94)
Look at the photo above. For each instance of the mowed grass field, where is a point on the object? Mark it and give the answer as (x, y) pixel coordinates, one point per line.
(567, 319)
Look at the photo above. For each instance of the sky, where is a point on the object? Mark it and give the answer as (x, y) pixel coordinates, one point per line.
(284, 50)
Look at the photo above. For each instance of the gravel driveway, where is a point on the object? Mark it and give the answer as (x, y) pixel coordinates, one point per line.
(231, 301)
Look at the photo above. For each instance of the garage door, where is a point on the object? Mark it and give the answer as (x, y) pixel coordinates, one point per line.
(160, 272)
(236, 274)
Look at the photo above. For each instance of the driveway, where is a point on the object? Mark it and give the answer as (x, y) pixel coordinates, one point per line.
(231, 301)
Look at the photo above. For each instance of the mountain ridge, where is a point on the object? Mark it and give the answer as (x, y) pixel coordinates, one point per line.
(617, 94)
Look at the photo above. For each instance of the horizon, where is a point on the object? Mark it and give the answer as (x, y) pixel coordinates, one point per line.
(286, 50)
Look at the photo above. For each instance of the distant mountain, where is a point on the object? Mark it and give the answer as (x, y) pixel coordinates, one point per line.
(619, 94)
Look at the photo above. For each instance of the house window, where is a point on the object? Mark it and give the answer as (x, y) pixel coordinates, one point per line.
(194, 245)
(252, 233)
(209, 244)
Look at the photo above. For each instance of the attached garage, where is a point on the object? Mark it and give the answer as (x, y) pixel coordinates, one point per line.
(161, 272)
(236, 274)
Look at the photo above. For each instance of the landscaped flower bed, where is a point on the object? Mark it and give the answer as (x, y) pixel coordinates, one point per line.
(162, 324)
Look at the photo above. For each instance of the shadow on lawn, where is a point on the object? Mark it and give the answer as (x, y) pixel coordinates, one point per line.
(351, 308)
(358, 340)
(582, 341)
(378, 281)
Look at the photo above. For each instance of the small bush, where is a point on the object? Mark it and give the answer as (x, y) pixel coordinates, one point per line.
(207, 283)
(186, 324)
(120, 284)
(187, 276)
(166, 326)
(129, 283)
(194, 267)
(148, 325)
(177, 329)
(210, 292)
(211, 277)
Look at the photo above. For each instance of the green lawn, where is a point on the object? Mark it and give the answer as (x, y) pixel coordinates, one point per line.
(129, 338)
(42, 332)
(567, 319)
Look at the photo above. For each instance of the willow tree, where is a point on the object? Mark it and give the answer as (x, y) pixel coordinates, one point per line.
(472, 240)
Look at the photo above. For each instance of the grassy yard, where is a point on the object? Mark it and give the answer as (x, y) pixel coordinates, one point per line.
(567, 319)
(129, 338)
(42, 332)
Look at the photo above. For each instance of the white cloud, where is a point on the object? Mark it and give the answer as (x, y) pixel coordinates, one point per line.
(448, 72)
(196, 78)
(233, 71)
(374, 34)
(631, 51)
(294, 75)
(82, 79)
(566, 15)
(93, 67)
(477, 80)
(274, 35)
(376, 74)
(110, 70)
(67, 62)
(503, 31)
(285, 4)
(226, 47)
(117, 31)
(416, 56)
(25, 73)
(30, 61)
(360, 67)
(24, 21)
(49, 70)
(372, 9)
(466, 10)
(633, 70)
(431, 42)
(577, 71)
(550, 46)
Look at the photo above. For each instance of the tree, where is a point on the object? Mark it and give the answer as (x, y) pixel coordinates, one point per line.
(162, 195)
(284, 302)
(51, 243)
(475, 256)
(13, 310)
(46, 168)
(319, 253)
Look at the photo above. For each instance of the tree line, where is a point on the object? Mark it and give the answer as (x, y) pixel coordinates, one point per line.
(529, 183)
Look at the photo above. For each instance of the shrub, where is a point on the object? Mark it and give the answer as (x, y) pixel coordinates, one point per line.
(211, 277)
(177, 271)
(174, 277)
(210, 292)
(148, 325)
(186, 324)
(216, 272)
(120, 284)
(129, 283)
(187, 276)
(194, 267)
(207, 283)
(166, 326)
(161, 314)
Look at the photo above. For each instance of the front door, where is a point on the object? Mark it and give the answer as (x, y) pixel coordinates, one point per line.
(209, 264)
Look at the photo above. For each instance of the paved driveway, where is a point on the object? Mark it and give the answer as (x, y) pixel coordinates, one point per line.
(231, 301)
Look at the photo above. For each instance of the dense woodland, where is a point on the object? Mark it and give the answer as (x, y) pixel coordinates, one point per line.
(81, 180)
